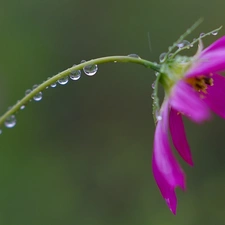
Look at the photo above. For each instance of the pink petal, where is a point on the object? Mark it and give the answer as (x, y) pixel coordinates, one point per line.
(179, 137)
(210, 62)
(166, 170)
(188, 102)
(217, 45)
(215, 97)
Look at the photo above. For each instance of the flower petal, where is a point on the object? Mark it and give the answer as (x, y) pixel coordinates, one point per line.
(179, 137)
(188, 102)
(167, 172)
(210, 60)
(216, 94)
(217, 45)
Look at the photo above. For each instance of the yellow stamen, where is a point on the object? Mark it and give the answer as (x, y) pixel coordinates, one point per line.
(200, 83)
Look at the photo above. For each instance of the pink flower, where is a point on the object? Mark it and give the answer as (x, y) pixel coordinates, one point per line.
(193, 88)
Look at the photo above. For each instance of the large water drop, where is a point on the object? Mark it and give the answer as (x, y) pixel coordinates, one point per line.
(90, 70)
(63, 80)
(53, 85)
(38, 97)
(75, 75)
(183, 43)
(10, 121)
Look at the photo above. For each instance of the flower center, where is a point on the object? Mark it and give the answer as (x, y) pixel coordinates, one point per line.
(200, 83)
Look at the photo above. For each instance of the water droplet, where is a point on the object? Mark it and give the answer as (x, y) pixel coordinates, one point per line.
(115, 61)
(153, 85)
(183, 43)
(214, 33)
(38, 97)
(22, 107)
(202, 34)
(158, 116)
(156, 74)
(83, 61)
(46, 87)
(162, 57)
(0, 131)
(53, 85)
(153, 95)
(10, 121)
(28, 91)
(35, 86)
(134, 56)
(90, 70)
(169, 204)
(63, 80)
(75, 75)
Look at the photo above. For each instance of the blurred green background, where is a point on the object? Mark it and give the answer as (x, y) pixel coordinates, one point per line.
(83, 154)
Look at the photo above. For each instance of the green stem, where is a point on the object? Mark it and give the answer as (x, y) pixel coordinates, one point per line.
(54, 79)
(156, 107)
(193, 42)
(181, 38)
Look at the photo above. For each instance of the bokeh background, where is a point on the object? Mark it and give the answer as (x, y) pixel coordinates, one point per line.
(82, 155)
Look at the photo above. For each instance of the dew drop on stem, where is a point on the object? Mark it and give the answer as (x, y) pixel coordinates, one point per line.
(134, 56)
(158, 116)
(53, 85)
(90, 70)
(153, 95)
(28, 91)
(38, 97)
(10, 121)
(153, 85)
(35, 86)
(183, 43)
(162, 57)
(214, 33)
(63, 80)
(75, 75)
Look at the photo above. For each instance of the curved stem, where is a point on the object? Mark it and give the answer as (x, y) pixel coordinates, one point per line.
(54, 79)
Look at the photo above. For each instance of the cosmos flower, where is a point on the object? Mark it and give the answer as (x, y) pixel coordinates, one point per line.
(193, 88)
